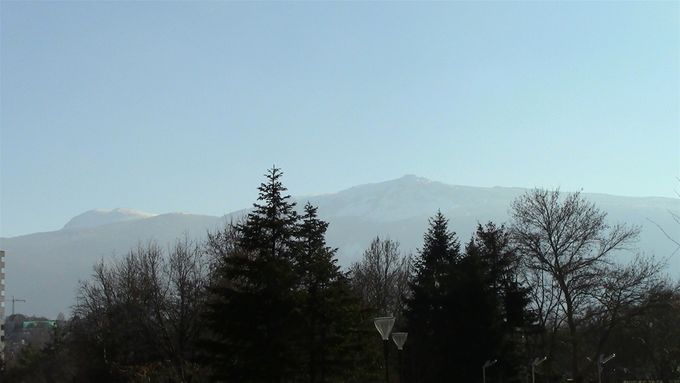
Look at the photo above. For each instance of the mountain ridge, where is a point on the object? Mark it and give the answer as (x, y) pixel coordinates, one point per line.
(98, 217)
(45, 268)
(122, 214)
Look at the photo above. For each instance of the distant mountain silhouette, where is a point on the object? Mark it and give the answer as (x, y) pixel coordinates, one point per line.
(44, 268)
(99, 217)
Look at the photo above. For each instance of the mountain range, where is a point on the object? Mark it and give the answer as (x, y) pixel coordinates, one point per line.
(44, 268)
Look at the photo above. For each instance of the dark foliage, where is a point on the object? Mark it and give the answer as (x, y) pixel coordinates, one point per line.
(465, 308)
(252, 312)
(280, 310)
(265, 301)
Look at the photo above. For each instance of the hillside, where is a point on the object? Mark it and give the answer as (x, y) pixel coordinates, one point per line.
(44, 268)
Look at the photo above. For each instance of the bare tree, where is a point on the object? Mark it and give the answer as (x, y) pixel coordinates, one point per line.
(567, 248)
(675, 216)
(622, 293)
(545, 297)
(145, 308)
(222, 243)
(381, 277)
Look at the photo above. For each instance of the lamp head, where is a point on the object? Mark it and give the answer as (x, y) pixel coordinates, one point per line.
(604, 359)
(399, 339)
(539, 360)
(384, 326)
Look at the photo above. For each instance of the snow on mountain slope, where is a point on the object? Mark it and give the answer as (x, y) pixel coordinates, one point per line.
(44, 268)
(409, 197)
(99, 217)
(400, 208)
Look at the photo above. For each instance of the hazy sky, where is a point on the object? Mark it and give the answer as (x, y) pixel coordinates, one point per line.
(183, 106)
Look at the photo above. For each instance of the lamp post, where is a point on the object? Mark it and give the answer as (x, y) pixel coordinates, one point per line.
(488, 363)
(534, 364)
(601, 361)
(384, 326)
(399, 339)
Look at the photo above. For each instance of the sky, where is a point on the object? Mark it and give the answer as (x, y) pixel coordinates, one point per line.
(183, 106)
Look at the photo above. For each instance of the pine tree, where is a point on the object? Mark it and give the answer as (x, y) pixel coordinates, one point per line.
(464, 307)
(440, 252)
(492, 244)
(280, 309)
(429, 311)
(252, 314)
(331, 338)
(316, 261)
(497, 262)
(317, 271)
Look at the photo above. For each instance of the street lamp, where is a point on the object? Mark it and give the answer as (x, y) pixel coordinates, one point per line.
(534, 364)
(399, 339)
(488, 363)
(601, 361)
(384, 326)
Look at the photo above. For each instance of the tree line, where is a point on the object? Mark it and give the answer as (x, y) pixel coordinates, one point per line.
(264, 300)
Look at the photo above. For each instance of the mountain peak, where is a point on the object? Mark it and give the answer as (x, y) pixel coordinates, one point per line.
(412, 178)
(99, 217)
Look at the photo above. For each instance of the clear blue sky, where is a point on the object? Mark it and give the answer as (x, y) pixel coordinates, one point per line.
(182, 106)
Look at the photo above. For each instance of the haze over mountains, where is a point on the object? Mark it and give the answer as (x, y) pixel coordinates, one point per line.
(99, 217)
(44, 268)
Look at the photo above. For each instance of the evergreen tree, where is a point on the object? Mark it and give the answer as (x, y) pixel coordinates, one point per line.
(496, 265)
(331, 333)
(439, 254)
(318, 272)
(280, 309)
(316, 261)
(252, 314)
(464, 308)
(492, 245)
(429, 313)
